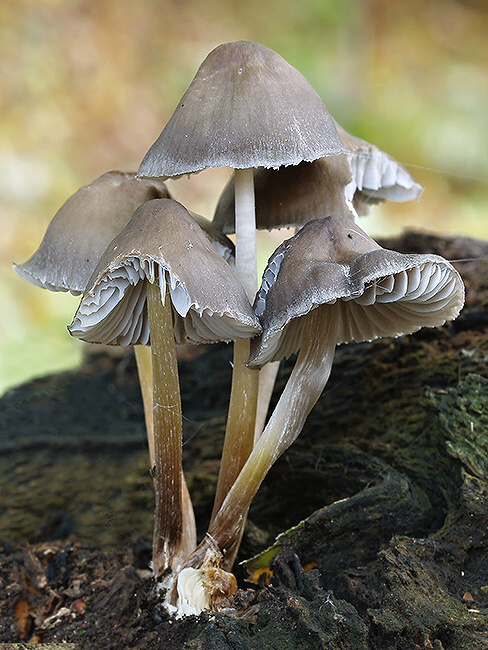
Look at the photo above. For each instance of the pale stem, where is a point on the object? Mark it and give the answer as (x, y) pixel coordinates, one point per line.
(167, 422)
(245, 223)
(267, 380)
(305, 385)
(239, 434)
(189, 526)
(238, 442)
(144, 369)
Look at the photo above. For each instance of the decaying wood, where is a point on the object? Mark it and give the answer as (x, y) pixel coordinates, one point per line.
(386, 490)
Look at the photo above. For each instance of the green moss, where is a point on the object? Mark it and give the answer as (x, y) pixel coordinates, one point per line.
(463, 421)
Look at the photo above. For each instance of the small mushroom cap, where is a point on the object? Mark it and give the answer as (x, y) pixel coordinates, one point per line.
(376, 176)
(372, 292)
(163, 243)
(345, 185)
(291, 196)
(246, 107)
(83, 228)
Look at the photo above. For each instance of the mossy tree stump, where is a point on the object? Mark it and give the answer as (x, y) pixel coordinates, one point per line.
(385, 493)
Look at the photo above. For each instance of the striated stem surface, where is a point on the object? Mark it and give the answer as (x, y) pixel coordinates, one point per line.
(239, 434)
(305, 385)
(167, 423)
(144, 369)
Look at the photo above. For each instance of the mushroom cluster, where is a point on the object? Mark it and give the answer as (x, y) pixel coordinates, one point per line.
(153, 275)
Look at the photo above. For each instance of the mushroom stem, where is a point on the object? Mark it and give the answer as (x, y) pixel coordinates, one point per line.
(167, 423)
(189, 526)
(267, 380)
(304, 386)
(246, 251)
(144, 370)
(240, 421)
(239, 433)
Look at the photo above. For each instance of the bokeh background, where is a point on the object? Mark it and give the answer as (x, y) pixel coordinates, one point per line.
(87, 86)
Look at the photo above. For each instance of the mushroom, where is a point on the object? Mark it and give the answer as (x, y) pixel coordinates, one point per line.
(329, 284)
(376, 176)
(160, 281)
(77, 236)
(83, 227)
(245, 108)
(346, 185)
(80, 232)
(71, 248)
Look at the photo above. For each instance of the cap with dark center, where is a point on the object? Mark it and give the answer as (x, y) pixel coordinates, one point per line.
(246, 107)
(371, 291)
(83, 227)
(162, 243)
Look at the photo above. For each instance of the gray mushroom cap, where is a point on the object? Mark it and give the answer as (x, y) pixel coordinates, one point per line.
(291, 196)
(163, 243)
(372, 292)
(246, 107)
(376, 176)
(83, 227)
(345, 185)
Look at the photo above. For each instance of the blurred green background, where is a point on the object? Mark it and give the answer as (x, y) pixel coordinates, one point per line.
(87, 86)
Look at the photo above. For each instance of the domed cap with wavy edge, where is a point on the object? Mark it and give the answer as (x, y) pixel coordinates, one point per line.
(246, 107)
(345, 185)
(376, 176)
(373, 292)
(83, 228)
(163, 243)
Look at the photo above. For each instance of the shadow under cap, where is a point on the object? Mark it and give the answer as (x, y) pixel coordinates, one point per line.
(163, 243)
(246, 107)
(373, 292)
(83, 227)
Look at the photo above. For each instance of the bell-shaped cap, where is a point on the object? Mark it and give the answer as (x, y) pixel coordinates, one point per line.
(373, 292)
(246, 107)
(376, 176)
(345, 185)
(83, 228)
(291, 196)
(163, 243)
